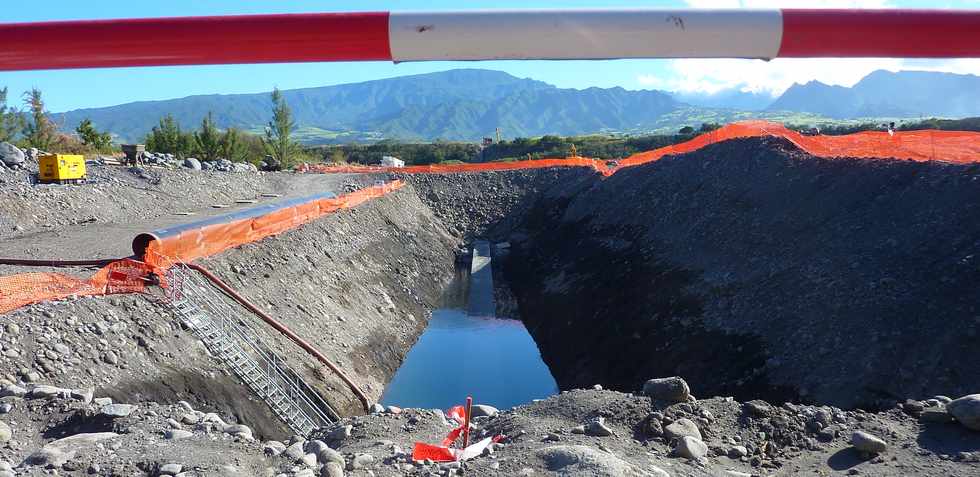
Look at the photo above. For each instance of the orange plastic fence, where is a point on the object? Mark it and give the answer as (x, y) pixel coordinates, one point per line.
(948, 146)
(123, 276)
(130, 276)
(212, 239)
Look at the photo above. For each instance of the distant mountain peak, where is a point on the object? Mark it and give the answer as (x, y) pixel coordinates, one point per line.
(884, 93)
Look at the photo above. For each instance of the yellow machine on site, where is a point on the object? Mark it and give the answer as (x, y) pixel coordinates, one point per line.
(61, 168)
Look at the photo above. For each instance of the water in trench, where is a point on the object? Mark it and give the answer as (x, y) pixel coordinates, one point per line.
(464, 352)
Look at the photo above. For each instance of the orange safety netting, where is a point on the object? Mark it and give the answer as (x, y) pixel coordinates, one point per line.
(211, 239)
(926, 145)
(123, 276)
(130, 276)
(948, 146)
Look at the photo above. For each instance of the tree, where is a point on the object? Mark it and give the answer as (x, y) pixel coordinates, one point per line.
(277, 134)
(708, 127)
(166, 137)
(40, 132)
(337, 156)
(686, 130)
(100, 141)
(11, 122)
(234, 146)
(207, 141)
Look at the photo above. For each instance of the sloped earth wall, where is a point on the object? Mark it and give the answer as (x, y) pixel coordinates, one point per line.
(358, 284)
(755, 270)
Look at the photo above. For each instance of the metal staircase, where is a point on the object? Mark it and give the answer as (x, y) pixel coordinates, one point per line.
(206, 311)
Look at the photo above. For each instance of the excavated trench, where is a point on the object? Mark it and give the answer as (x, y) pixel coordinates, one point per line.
(749, 268)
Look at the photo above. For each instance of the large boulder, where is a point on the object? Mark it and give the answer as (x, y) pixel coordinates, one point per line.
(690, 448)
(192, 163)
(224, 165)
(270, 164)
(10, 155)
(113, 411)
(966, 411)
(673, 389)
(575, 460)
(868, 443)
(56, 453)
(241, 167)
(680, 428)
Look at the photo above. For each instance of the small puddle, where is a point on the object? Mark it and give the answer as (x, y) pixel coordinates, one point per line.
(494, 360)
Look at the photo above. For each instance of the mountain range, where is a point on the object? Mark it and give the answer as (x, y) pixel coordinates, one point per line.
(887, 94)
(455, 104)
(467, 104)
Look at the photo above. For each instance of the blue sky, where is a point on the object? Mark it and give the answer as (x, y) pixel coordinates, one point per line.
(70, 89)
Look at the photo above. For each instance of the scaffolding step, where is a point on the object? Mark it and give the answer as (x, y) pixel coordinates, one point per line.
(228, 337)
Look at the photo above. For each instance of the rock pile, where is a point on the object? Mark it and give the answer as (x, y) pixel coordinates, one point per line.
(82, 435)
(220, 165)
(11, 156)
(606, 433)
(224, 165)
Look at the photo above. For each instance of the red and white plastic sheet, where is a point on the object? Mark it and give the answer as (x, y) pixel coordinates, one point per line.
(444, 452)
(490, 35)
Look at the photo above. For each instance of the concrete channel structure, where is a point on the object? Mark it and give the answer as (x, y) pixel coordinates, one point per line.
(481, 302)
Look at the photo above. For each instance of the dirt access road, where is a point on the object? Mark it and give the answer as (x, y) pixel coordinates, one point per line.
(100, 218)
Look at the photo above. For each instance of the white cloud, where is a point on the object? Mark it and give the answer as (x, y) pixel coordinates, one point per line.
(774, 77)
(713, 75)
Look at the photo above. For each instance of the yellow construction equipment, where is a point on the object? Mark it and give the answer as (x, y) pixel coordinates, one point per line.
(61, 168)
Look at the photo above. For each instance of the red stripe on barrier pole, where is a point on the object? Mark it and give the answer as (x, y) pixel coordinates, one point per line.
(195, 40)
(881, 33)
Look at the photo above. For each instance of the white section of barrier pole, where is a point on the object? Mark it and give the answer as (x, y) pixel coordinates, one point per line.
(584, 34)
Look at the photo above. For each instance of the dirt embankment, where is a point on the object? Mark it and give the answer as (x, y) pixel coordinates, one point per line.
(755, 270)
(491, 204)
(358, 284)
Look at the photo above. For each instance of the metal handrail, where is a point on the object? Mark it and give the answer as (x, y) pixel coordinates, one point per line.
(251, 338)
(287, 382)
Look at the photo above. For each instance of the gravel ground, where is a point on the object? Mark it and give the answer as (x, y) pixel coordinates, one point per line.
(64, 435)
(638, 435)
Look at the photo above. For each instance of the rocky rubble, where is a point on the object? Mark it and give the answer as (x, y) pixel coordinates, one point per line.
(193, 163)
(46, 429)
(489, 204)
(64, 432)
(650, 436)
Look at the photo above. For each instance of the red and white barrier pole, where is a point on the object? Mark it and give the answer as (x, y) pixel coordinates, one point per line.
(490, 35)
